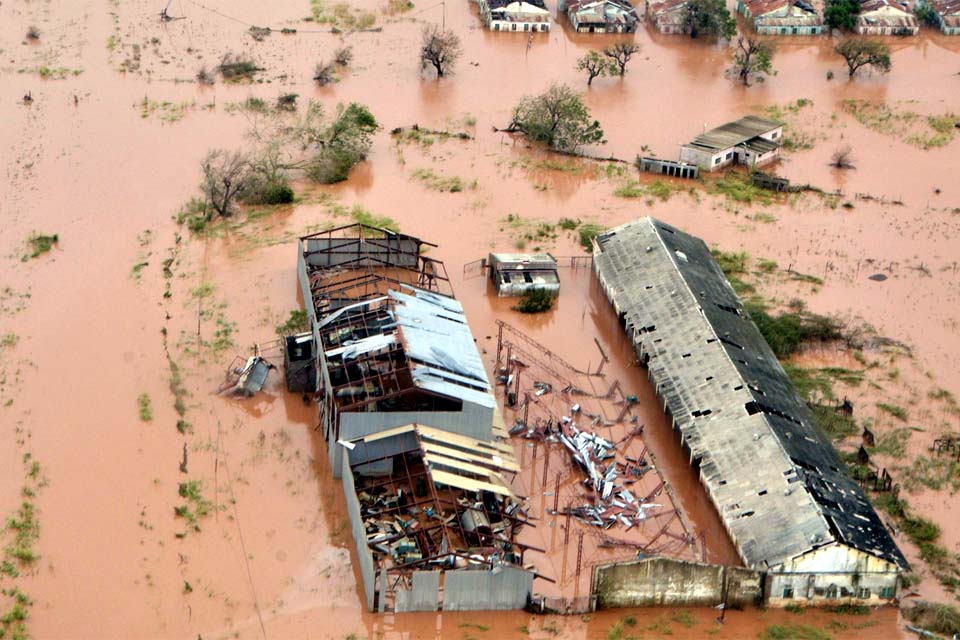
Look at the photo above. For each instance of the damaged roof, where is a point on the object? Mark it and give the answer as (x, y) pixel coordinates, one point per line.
(737, 132)
(775, 479)
(437, 341)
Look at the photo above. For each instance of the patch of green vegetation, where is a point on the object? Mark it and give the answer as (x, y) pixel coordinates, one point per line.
(849, 609)
(804, 277)
(939, 618)
(180, 393)
(9, 339)
(794, 608)
(588, 232)
(923, 132)
(436, 182)
(896, 411)
(195, 505)
(296, 323)
(474, 625)
(195, 214)
(932, 473)
(13, 620)
(787, 331)
(684, 618)
(836, 425)
(793, 632)
(631, 189)
(136, 272)
(763, 217)
(657, 189)
(568, 224)
(738, 187)
(167, 111)
(40, 243)
(535, 301)
(341, 16)
(145, 407)
(892, 443)
(364, 216)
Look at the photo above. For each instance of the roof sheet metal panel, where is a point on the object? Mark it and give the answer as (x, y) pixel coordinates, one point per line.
(777, 482)
(437, 339)
(737, 132)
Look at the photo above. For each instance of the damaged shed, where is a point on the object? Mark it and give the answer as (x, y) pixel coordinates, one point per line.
(780, 488)
(429, 508)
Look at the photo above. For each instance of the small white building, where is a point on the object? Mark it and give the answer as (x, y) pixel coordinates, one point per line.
(514, 274)
(515, 15)
(752, 141)
(886, 18)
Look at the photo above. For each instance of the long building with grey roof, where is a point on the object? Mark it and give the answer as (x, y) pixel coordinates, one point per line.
(780, 488)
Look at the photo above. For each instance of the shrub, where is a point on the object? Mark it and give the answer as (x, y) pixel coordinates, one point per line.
(535, 301)
(587, 233)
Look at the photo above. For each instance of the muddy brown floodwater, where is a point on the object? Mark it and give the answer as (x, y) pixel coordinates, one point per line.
(108, 149)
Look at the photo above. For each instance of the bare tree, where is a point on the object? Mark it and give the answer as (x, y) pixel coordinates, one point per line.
(595, 65)
(226, 176)
(752, 57)
(343, 56)
(860, 52)
(204, 76)
(842, 158)
(440, 49)
(620, 54)
(325, 73)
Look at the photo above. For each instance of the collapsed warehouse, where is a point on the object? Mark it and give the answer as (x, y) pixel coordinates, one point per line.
(782, 492)
(410, 425)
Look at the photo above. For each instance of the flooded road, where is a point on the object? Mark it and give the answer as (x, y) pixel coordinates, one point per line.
(107, 150)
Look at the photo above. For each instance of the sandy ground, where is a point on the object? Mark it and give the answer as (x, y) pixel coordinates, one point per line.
(109, 149)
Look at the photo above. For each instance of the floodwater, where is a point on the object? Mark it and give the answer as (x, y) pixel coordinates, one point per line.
(109, 148)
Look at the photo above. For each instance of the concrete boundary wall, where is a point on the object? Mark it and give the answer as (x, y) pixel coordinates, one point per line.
(669, 582)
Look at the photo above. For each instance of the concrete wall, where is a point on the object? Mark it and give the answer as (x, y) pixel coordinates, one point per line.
(364, 555)
(669, 582)
(501, 588)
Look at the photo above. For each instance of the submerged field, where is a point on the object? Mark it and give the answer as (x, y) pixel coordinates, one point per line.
(138, 503)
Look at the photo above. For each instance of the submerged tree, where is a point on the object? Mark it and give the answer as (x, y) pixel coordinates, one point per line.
(341, 143)
(558, 118)
(752, 57)
(842, 158)
(440, 49)
(860, 52)
(620, 54)
(841, 14)
(595, 65)
(709, 16)
(226, 177)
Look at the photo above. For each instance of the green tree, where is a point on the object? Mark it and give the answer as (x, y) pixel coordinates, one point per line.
(752, 57)
(926, 14)
(595, 65)
(709, 16)
(841, 14)
(340, 143)
(558, 118)
(860, 52)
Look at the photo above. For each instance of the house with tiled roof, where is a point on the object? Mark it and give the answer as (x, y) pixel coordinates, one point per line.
(782, 17)
(601, 16)
(885, 18)
(667, 16)
(515, 15)
(947, 14)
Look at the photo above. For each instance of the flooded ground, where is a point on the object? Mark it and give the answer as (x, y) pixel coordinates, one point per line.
(108, 148)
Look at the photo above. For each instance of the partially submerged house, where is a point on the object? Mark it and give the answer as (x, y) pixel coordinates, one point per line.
(782, 492)
(515, 15)
(668, 16)
(947, 14)
(886, 18)
(601, 16)
(514, 274)
(410, 424)
(752, 141)
(782, 17)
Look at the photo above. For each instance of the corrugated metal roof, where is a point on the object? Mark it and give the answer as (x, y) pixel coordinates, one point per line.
(737, 132)
(437, 341)
(776, 480)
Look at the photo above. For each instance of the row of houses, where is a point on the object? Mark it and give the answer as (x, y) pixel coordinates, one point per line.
(768, 17)
(802, 18)
(587, 16)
